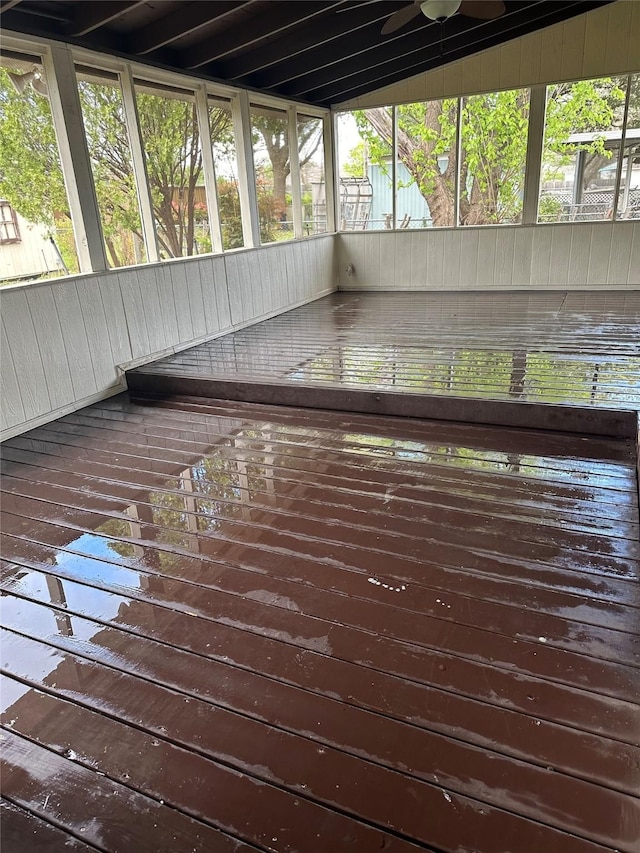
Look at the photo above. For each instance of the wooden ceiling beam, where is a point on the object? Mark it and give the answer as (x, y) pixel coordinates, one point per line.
(263, 26)
(184, 20)
(457, 32)
(329, 59)
(8, 4)
(90, 16)
(310, 35)
(347, 88)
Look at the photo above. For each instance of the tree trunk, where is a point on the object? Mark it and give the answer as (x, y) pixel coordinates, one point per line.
(421, 162)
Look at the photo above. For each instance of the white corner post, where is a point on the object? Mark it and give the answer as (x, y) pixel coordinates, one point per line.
(294, 172)
(457, 188)
(533, 164)
(623, 139)
(210, 185)
(331, 174)
(394, 167)
(335, 168)
(66, 111)
(246, 170)
(147, 218)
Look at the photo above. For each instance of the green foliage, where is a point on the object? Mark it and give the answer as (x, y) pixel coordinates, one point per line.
(272, 132)
(494, 143)
(31, 176)
(355, 167)
(549, 208)
(30, 173)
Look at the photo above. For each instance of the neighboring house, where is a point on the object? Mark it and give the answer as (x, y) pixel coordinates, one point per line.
(26, 249)
(367, 204)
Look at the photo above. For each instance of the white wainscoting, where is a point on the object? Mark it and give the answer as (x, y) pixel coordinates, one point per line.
(65, 342)
(581, 256)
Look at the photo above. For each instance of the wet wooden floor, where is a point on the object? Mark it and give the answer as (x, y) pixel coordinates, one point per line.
(549, 349)
(233, 627)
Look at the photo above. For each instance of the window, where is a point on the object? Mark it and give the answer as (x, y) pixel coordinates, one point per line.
(270, 135)
(580, 159)
(312, 175)
(171, 140)
(31, 181)
(9, 231)
(494, 130)
(110, 153)
(365, 147)
(426, 163)
(226, 165)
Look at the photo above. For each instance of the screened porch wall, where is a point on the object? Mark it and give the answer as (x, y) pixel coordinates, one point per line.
(66, 342)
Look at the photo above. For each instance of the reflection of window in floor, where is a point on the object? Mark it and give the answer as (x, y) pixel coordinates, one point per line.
(136, 529)
(190, 506)
(267, 485)
(59, 599)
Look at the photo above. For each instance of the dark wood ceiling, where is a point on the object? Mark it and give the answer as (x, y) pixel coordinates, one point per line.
(321, 53)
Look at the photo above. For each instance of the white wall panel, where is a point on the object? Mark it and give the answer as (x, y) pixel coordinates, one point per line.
(578, 256)
(522, 257)
(134, 309)
(12, 410)
(181, 304)
(25, 354)
(76, 340)
(108, 286)
(66, 343)
(48, 334)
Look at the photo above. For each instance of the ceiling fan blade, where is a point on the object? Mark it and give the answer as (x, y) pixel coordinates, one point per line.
(485, 10)
(400, 18)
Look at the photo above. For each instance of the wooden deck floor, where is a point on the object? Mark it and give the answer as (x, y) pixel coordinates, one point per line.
(472, 356)
(233, 627)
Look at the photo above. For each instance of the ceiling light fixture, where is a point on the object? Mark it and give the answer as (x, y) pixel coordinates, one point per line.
(33, 78)
(439, 10)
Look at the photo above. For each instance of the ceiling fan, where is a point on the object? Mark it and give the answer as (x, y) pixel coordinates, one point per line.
(441, 10)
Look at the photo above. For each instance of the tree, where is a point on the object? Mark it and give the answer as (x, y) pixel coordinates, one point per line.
(30, 172)
(31, 177)
(356, 165)
(494, 142)
(584, 107)
(273, 131)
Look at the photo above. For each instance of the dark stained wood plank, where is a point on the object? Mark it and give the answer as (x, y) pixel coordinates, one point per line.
(23, 831)
(276, 756)
(182, 21)
(557, 631)
(265, 25)
(108, 815)
(343, 613)
(533, 361)
(354, 731)
(341, 39)
(380, 663)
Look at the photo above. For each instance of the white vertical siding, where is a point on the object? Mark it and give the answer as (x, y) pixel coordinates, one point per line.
(580, 256)
(65, 342)
(603, 41)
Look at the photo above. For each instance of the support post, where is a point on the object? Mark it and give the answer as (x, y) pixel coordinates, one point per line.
(533, 164)
(623, 142)
(62, 88)
(210, 185)
(331, 171)
(246, 170)
(394, 168)
(294, 163)
(458, 144)
(139, 162)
